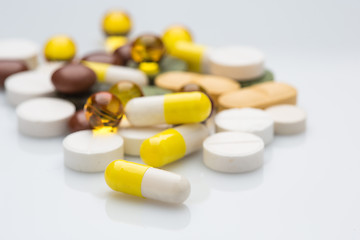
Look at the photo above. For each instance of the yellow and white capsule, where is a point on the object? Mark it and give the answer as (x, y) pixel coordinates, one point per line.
(172, 108)
(145, 181)
(111, 74)
(173, 144)
(179, 43)
(195, 55)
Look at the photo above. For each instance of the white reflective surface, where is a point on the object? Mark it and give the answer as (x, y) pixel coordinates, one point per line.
(309, 185)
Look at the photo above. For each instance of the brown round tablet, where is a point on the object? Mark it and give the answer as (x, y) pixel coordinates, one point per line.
(104, 57)
(9, 67)
(78, 122)
(124, 52)
(73, 78)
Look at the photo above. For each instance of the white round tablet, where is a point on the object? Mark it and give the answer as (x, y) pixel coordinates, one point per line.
(135, 136)
(233, 152)
(237, 62)
(85, 151)
(250, 120)
(26, 85)
(44, 117)
(288, 119)
(50, 67)
(20, 49)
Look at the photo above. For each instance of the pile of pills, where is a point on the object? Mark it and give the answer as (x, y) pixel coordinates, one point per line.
(157, 97)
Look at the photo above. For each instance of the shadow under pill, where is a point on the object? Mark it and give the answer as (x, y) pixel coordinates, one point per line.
(85, 182)
(41, 146)
(145, 212)
(232, 182)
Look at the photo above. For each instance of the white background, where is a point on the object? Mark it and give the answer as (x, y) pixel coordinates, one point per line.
(309, 185)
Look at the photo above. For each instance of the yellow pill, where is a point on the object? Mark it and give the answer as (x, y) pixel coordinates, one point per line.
(174, 34)
(117, 23)
(114, 42)
(60, 48)
(173, 144)
(173, 108)
(144, 181)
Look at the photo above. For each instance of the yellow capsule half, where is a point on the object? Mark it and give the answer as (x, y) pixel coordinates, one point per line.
(126, 177)
(163, 148)
(191, 53)
(191, 107)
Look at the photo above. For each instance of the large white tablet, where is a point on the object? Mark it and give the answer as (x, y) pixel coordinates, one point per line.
(26, 85)
(233, 152)
(250, 120)
(288, 119)
(135, 136)
(20, 49)
(44, 117)
(85, 151)
(238, 62)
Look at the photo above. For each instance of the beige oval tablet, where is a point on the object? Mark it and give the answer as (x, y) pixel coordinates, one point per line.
(259, 96)
(175, 80)
(214, 85)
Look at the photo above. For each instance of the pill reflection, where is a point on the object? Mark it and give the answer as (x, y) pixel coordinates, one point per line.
(146, 213)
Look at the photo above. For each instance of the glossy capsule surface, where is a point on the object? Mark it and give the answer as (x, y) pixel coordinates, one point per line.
(173, 108)
(144, 181)
(125, 91)
(173, 144)
(103, 109)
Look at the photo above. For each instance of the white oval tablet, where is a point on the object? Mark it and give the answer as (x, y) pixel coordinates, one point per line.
(233, 152)
(237, 62)
(44, 117)
(135, 136)
(26, 85)
(20, 49)
(250, 120)
(288, 119)
(85, 151)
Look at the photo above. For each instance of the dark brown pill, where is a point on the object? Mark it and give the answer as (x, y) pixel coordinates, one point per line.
(9, 67)
(73, 78)
(78, 122)
(124, 52)
(104, 57)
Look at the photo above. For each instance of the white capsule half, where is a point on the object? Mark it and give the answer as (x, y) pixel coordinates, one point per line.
(113, 74)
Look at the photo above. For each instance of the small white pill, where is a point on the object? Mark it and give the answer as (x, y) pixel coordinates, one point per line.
(237, 62)
(250, 120)
(44, 117)
(233, 152)
(26, 85)
(86, 151)
(288, 119)
(135, 136)
(20, 49)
